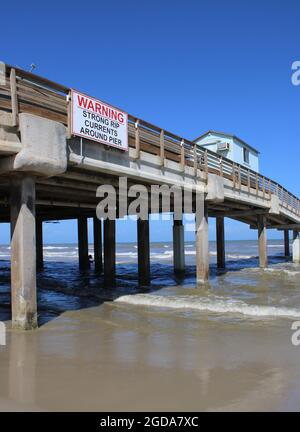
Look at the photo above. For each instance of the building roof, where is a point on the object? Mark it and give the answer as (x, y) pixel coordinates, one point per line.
(228, 135)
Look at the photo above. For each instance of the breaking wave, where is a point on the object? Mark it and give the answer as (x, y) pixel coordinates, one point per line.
(282, 271)
(217, 305)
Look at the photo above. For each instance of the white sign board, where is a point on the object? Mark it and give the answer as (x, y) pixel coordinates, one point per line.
(97, 121)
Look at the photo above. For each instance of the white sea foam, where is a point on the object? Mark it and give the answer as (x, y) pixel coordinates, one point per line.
(190, 252)
(217, 305)
(58, 247)
(240, 256)
(131, 254)
(287, 272)
(60, 254)
(232, 255)
(164, 255)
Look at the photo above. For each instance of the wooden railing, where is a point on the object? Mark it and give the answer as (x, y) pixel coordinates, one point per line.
(23, 91)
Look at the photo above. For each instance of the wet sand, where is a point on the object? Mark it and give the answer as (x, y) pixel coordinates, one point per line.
(225, 346)
(127, 358)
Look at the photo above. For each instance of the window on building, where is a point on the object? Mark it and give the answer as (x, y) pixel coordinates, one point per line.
(246, 155)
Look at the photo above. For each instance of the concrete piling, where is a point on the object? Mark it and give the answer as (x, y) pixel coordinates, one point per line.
(178, 246)
(143, 251)
(220, 239)
(23, 252)
(109, 250)
(83, 247)
(39, 244)
(98, 245)
(296, 247)
(287, 252)
(262, 241)
(202, 251)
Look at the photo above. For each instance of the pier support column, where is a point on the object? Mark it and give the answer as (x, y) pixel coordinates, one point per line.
(143, 251)
(286, 243)
(23, 253)
(262, 240)
(220, 237)
(109, 250)
(39, 244)
(296, 247)
(98, 245)
(202, 251)
(178, 246)
(83, 246)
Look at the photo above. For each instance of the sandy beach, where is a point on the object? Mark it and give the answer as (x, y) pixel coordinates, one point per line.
(222, 347)
(115, 359)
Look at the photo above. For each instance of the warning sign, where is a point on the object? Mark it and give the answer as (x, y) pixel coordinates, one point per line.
(95, 120)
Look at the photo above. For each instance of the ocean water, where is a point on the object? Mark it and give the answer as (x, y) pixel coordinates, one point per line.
(242, 291)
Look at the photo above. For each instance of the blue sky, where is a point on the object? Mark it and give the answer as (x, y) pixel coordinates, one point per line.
(187, 66)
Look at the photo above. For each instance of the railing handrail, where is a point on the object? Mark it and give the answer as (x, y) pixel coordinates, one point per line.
(210, 152)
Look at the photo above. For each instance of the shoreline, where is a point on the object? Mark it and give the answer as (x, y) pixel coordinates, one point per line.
(109, 358)
(96, 353)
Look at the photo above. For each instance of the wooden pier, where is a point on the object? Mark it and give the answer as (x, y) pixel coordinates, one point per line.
(48, 174)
